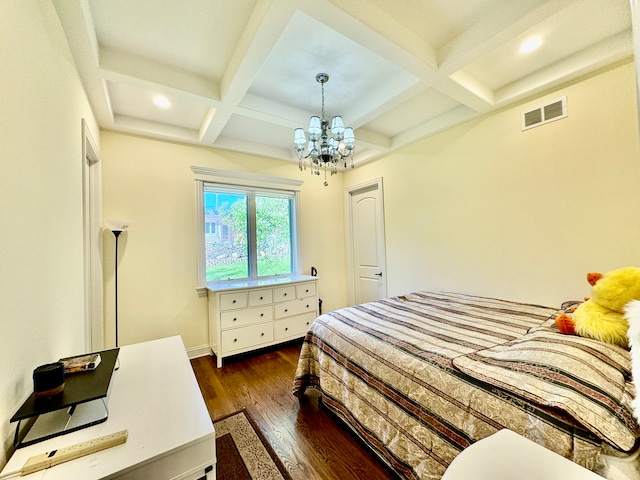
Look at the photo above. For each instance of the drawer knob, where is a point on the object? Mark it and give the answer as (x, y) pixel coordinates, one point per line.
(307, 306)
(262, 314)
(261, 298)
(262, 334)
(286, 328)
(234, 319)
(285, 294)
(233, 301)
(286, 310)
(307, 323)
(235, 339)
(307, 290)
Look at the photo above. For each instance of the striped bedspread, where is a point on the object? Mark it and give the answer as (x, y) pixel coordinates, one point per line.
(389, 369)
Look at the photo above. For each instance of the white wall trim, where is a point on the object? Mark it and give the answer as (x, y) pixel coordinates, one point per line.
(200, 257)
(247, 179)
(196, 352)
(92, 229)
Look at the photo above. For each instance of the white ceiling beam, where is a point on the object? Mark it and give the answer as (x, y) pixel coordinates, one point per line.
(375, 19)
(75, 18)
(442, 122)
(268, 20)
(368, 139)
(472, 84)
(357, 22)
(156, 130)
(363, 156)
(260, 150)
(140, 72)
(509, 21)
(367, 110)
(608, 52)
(271, 111)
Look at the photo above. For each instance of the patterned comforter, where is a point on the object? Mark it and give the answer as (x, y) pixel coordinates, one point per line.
(420, 377)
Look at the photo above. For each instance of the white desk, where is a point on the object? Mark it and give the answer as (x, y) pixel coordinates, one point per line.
(505, 455)
(155, 396)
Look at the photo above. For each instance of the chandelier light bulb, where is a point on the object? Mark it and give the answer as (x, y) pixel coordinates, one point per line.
(299, 137)
(337, 126)
(315, 126)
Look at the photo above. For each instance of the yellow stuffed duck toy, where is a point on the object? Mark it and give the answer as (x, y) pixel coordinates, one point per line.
(602, 316)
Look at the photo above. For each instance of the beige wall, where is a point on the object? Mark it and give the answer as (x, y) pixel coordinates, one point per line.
(482, 208)
(150, 183)
(487, 209)
(41, 278)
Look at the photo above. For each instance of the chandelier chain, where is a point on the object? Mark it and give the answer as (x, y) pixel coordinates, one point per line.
(322, 86)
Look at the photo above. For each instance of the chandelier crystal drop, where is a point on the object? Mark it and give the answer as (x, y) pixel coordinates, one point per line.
(329, 146)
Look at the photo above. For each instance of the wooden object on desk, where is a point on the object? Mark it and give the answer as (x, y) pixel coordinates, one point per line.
(154, 395)
(245, 316)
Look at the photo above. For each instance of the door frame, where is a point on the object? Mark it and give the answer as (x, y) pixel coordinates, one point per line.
(351, 274)
(92, 240)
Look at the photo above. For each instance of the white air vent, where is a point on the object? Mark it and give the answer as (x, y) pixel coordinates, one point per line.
(547, 113)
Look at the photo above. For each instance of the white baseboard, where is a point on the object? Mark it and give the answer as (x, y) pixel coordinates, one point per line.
(201, 351)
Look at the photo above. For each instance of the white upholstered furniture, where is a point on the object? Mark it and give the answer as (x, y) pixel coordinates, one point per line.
(505, 455)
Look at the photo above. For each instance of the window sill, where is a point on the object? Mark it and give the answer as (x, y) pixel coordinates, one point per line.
(267, 282)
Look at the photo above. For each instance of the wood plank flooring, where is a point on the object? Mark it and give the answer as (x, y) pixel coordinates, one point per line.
(310, 441)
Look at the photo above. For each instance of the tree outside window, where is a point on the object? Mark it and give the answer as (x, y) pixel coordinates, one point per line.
(253, 234)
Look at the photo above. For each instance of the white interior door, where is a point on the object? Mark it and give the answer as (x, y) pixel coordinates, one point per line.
(367, 248)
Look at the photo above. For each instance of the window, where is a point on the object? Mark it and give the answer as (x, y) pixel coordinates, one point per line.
(247, 226)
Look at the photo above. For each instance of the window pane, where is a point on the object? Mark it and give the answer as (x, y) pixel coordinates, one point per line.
(273, 232)
(226, 248)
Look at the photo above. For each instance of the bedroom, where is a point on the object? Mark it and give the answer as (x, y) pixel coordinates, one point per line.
(482, 208)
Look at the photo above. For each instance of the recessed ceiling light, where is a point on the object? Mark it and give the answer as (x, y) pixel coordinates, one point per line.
(530, 45)
(162, 102)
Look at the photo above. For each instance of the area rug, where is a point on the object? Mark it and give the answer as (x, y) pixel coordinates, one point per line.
(242, 451)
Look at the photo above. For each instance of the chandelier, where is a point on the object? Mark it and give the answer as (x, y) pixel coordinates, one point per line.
(324, 152)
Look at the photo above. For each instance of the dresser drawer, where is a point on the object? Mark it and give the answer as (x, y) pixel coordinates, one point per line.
(305, 290)
(245, 337)
(282, 294)
(239, 318)
(293, 327)
(260, 297)
(295, 307)
(229, 301)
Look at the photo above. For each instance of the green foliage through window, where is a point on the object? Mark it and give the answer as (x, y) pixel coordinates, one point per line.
(251, 234)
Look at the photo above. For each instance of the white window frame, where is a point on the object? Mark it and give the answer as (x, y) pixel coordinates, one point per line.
(205, 175)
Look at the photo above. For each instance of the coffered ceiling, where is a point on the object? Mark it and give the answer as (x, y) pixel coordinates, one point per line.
(240, 74)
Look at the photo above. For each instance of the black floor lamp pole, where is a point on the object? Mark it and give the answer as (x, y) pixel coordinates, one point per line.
(116, 233)
(116, 227)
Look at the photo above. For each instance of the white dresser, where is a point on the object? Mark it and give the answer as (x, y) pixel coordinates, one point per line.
(245, 316)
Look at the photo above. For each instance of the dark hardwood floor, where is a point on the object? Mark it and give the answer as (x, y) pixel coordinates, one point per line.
(310, 441)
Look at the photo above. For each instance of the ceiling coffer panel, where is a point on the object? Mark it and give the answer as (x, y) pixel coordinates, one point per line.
(241, 75)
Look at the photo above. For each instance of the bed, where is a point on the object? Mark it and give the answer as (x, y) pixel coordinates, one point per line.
(420, 377)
